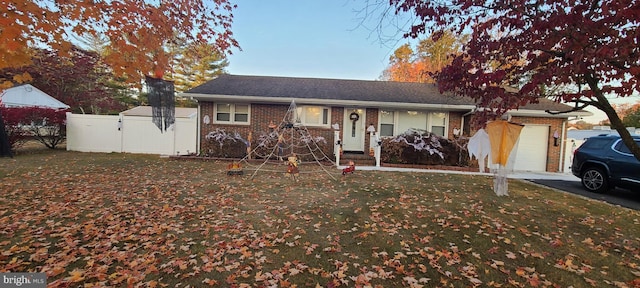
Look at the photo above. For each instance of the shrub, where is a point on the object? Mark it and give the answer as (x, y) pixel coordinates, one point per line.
(422, 147)
(46, 125)
(224, 145)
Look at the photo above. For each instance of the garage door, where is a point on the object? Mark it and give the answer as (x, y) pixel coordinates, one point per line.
(532, 148)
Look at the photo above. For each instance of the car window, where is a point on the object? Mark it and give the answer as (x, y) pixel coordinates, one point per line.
(620, 147)
(595, 143)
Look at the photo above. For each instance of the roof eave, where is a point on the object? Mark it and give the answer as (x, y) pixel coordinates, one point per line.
(328, 102)
(543, 113)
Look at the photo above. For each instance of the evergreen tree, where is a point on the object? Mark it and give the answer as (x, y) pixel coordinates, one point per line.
(197, 64)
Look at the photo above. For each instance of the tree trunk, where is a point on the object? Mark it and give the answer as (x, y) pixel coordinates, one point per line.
(604, 105)
(625, 135)
(5, 147)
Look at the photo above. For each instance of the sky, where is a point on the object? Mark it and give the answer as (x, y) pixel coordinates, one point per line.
(309, 38)
(320, 39)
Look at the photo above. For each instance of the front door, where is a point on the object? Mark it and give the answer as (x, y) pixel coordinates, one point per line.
(354, 129)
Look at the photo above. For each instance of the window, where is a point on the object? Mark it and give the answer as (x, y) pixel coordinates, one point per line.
(313, 115)
(595, 143)
(437, 123)
(232, 113)
(386, 123)
(622, 148)
(398, 122)
(411, 120)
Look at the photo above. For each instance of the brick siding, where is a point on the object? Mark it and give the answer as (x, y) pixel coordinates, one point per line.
(263, 114)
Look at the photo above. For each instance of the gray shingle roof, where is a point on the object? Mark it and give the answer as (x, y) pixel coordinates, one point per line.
(337, 89)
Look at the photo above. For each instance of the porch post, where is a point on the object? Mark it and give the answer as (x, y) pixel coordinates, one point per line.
(375, 145)
(378, 148)
(336, 146)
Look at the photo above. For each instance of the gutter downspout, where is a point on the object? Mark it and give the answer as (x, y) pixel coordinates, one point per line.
(469, 113)
(462, 121)
(563, 157)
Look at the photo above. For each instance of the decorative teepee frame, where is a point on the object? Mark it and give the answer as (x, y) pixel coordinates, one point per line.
(289, 138)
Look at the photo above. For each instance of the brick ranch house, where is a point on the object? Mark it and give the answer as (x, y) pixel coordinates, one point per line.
(250, 103)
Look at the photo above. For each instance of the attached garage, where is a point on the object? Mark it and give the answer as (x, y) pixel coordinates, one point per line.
(532, 148)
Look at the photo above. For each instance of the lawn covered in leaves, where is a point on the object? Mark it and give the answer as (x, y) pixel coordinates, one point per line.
(123, 220)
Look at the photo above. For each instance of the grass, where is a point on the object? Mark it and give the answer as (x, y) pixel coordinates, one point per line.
(91, 219)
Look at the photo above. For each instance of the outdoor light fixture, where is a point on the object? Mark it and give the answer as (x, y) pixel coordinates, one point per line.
(371, 129)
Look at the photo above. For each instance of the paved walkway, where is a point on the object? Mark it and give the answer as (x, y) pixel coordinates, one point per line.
(515, 175)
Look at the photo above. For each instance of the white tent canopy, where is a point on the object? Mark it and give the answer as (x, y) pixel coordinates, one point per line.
(27, 95)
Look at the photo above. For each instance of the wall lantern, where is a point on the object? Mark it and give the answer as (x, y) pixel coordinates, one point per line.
(371, 129)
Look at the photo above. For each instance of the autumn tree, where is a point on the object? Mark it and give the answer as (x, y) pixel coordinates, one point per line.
(582, 125)
(404, 68)
(79, 80)
(420, 63)
(137, 31)
(589, 48)
(630, 114)
(12, 119)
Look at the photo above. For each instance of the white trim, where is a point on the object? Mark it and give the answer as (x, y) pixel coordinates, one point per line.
(329, 102)
(373, 104)
(542, 113)
(562, 139)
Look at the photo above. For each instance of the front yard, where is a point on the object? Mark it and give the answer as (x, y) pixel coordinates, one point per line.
(91, 220)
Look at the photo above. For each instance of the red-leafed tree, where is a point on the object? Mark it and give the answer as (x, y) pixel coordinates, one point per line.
(46, 125)
(16, 135)
(587, 51)
(79, 80)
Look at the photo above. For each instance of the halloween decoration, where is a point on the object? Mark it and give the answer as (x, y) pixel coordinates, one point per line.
(162, 102)
(349, 169)
(503, 136)
(288, 142)
(480, 147)
(292, 166)
(234, 169)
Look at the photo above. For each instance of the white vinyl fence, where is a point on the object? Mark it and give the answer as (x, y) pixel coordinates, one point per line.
(131, 134)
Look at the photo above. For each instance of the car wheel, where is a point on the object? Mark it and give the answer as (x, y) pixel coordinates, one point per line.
(595, 180)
